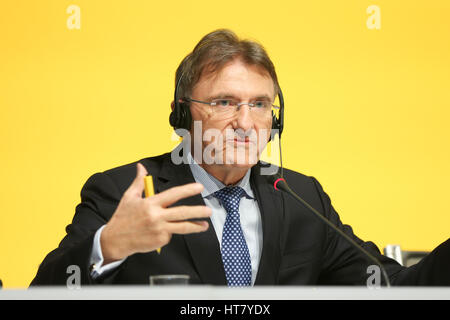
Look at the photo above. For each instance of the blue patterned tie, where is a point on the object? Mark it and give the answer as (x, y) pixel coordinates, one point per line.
(235, 254)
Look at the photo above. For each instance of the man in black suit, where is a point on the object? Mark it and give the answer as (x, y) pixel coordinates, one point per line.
(225, 90)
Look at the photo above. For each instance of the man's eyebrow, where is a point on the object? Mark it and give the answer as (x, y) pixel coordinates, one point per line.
(231, 96)
(263, 97)
(223, 96)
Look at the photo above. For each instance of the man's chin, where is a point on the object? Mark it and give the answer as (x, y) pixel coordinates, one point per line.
(246, 165)
(241, 160)
(238, 156)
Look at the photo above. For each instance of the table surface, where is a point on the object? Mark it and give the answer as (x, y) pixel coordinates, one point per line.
(223, 293)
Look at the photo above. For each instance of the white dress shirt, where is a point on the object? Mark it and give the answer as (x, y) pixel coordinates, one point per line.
(248, 209)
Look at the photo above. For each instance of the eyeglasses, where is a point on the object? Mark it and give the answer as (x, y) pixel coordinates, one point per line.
(228, 107)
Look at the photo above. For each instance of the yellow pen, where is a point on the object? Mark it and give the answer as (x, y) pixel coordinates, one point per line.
(150, 191)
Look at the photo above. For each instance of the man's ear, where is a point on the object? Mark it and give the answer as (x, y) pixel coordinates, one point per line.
(172, 105)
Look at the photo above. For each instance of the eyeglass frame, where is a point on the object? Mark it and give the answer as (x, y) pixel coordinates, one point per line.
(238, 105)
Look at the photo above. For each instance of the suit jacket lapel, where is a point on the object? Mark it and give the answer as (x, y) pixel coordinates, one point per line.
(204, 247)
(271, 209)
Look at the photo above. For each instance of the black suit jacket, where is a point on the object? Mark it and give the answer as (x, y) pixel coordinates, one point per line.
(298, 249)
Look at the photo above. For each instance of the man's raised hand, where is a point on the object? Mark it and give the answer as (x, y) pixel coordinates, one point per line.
(145, 224)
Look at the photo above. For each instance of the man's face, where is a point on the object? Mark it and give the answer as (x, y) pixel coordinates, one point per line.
(236, 139)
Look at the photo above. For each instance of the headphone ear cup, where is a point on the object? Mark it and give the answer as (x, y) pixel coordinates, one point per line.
(275, 125)
(173, 118)
(180, 117)
(185, 116)
(275, 122)
(188, 118)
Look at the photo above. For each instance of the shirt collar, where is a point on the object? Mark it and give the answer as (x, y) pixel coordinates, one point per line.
(211, 184)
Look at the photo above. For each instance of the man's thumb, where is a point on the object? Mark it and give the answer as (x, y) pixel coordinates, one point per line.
(138, 183)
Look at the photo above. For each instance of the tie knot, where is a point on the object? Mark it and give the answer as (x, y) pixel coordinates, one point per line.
(230, 197)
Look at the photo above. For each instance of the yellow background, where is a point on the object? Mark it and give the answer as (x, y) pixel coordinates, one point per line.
(366, 110)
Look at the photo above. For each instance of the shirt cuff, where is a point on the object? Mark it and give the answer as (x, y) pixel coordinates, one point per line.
(96, 262)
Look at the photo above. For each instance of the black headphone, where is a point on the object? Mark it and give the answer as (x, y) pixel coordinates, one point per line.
(181, 118)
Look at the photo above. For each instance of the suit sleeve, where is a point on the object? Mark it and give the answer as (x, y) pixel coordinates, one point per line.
(99, 199)
(344, 264)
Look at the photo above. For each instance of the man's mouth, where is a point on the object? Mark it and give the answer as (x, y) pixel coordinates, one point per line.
(242, 140)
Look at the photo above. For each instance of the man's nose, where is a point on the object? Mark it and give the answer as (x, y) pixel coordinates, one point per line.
(244, 119)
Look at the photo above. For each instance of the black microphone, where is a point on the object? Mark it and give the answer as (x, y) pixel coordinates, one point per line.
(279, 183)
